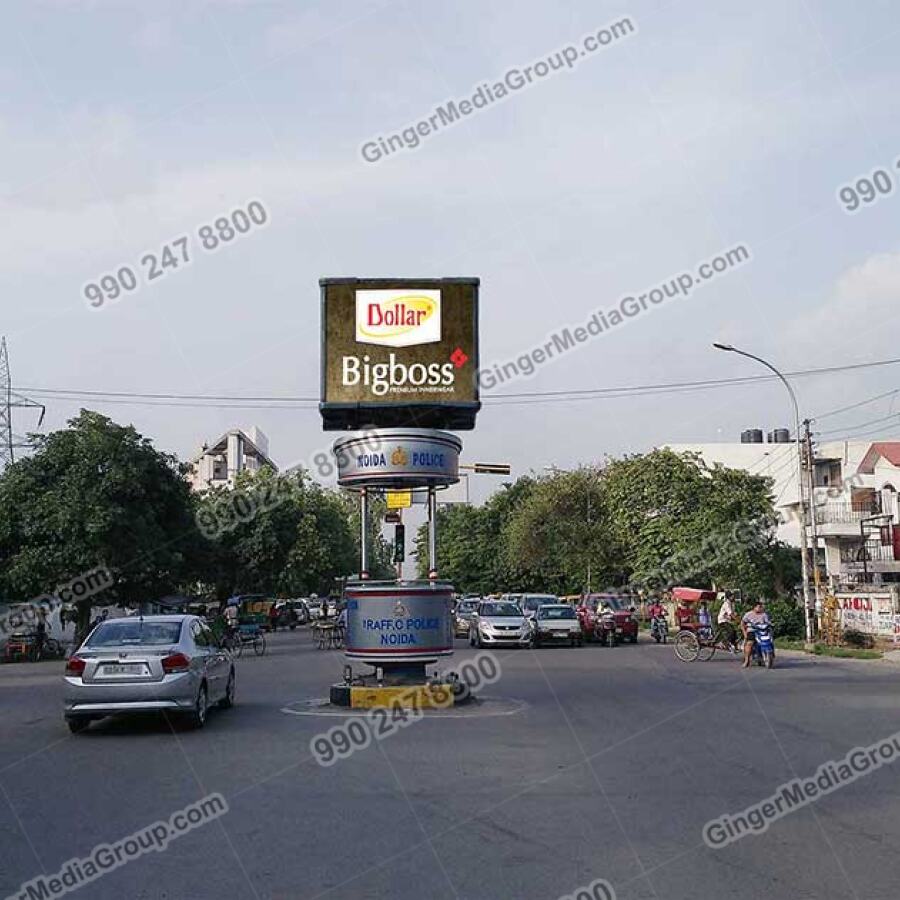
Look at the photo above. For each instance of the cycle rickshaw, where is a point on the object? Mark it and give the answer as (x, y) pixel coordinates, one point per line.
(694, 641)
(252, 616)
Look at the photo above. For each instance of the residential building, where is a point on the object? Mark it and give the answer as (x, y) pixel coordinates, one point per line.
(217, 464)
(854, 497)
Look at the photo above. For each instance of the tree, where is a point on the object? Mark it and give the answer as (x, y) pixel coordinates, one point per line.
(282, 535)
(95, 494)
(469, 539)
(560, 538)
(648, 522)
(680, 520)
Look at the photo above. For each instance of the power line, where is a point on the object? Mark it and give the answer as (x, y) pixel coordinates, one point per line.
(510, 399)
(835, 412)
(849, 428)
(649, 388)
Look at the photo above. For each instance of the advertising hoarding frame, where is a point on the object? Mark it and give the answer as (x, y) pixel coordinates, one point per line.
(448, 415)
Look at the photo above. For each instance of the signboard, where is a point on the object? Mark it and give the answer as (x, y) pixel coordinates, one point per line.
(870, 613)
(399, 352)
(398, 458)
(399, 499)
(403, 623)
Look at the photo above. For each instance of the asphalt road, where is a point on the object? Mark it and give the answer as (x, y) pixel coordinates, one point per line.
(580, 764)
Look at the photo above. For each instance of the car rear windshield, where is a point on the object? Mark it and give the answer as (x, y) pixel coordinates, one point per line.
(117, 634)
(611, 602)
(468, 605)
(557, 612)
(500, 609)
(535, 602)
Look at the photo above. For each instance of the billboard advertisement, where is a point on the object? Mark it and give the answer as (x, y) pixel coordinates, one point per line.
(399, 352)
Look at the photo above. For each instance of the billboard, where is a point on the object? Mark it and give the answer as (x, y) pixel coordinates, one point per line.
(399, 352)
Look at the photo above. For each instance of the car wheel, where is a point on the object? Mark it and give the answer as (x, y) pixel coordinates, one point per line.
(197, 718)
(228, 700)
(77, 725)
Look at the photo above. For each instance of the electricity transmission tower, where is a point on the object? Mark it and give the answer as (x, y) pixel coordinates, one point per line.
(10, 400)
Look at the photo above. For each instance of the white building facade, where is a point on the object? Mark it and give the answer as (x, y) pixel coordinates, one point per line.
(855, 499)
(238, 450)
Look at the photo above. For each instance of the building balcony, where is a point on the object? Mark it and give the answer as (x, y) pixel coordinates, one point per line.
(871, 556)
(839, 519)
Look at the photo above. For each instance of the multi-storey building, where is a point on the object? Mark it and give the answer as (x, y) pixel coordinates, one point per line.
(237, 450)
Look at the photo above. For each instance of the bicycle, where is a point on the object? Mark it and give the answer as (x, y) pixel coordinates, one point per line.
(232, 642)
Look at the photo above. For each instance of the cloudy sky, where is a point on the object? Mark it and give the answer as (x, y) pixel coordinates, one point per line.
(124, 125)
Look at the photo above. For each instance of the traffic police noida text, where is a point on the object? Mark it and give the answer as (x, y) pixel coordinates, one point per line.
(400, 625)
(428, 460)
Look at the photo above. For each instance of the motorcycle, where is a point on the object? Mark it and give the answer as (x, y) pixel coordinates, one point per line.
(763, 645)
(605, 629)
(659, 629)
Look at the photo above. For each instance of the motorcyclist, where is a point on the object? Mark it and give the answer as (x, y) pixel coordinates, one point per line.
(656, 611)
(757, 616)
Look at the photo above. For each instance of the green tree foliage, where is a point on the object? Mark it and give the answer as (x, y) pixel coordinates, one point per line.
(95, 494)
(561, 537)
(787, 618)
(649, 521)
(469, 540)
(288, 537)
(99, 494)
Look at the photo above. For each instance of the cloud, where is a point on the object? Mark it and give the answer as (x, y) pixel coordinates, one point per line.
(858, 319)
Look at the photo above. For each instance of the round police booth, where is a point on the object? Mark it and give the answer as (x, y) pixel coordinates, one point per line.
(397, 458)
(403, 624)
(398, 626)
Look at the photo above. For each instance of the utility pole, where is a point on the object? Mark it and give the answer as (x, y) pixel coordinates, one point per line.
(10, 400)
(811, 506)
(804, 537)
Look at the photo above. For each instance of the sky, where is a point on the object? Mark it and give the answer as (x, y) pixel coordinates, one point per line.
(712, 125)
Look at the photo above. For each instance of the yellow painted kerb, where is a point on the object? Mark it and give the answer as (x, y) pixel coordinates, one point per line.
(416, 697)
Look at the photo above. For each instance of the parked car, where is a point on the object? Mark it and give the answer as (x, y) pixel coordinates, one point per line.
(623, 614)
(147, 664)
(292, 613)
(556, 623)
(498, 623)
(462, 617)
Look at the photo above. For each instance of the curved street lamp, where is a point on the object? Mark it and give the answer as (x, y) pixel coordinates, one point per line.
(804, 554)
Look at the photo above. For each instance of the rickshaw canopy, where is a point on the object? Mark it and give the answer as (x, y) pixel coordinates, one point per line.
(693, 595)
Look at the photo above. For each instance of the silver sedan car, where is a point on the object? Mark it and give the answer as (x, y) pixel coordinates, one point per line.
(148, 664)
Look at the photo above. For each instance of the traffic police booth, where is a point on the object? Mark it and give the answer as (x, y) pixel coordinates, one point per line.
(399, 372)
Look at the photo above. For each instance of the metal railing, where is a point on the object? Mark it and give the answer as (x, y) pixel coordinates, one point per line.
(846, 513)
(870, 551)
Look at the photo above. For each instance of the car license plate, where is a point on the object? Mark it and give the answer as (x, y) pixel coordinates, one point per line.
(122, 669)
(618, 631)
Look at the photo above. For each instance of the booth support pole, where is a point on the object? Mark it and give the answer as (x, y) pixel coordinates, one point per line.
(432, 533)
(364, 533)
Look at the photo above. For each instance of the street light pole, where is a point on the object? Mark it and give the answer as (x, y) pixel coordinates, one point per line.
(804, 553)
